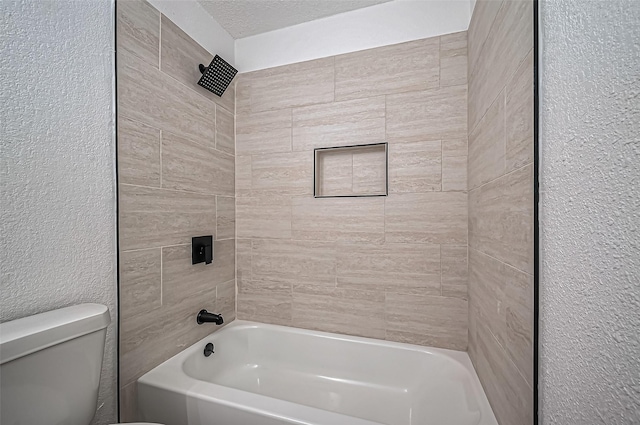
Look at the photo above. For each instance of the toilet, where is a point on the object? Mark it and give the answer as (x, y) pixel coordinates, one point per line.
(50, 366)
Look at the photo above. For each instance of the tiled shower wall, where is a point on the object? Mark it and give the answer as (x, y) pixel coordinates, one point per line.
(385, 267)
(176, 180)
(501, 205)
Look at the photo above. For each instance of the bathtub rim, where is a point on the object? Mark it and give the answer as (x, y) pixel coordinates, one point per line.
(170, 376)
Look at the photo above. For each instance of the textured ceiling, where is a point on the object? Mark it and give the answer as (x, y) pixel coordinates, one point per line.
(242, 18)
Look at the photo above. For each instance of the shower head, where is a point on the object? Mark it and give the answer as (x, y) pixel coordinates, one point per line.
(217, 76)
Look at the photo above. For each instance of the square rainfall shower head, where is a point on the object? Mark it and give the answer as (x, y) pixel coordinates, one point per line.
(217, 76)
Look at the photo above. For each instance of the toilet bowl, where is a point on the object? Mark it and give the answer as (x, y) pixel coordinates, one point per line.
(50, 366)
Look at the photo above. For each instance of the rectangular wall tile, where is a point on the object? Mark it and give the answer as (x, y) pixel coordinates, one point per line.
(282, 174)
(435, 321)
(353, 122)
(225, 131)
(243, 262)
(454, 270)
(415, 167)
(181, 279)
(152, 97)
(187, 165)
(263, 217)
(280, 261)
(453, 59)
(519, 321)
(160, 217)
(347, 311)
(226, 300)
(454, 147)
(508, 43)
(435, 218)
(391, 69)
(138, 153)
(519, 116)
(486, 290)
(140, 284)
(487, 146)
(138, 26)
(336, 219)
(380, 267)
(484, 14)
(501, 217)
(180, 57)
(454, 173)
(265, 307)
(243, 175)
(288, 86)
(510, 396)
(225, 217)
(264, 132)
(427, 115)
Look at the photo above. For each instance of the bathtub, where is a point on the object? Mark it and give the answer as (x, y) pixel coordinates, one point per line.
(263, 374)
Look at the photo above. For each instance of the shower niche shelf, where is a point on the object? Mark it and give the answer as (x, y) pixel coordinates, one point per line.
(351, 171)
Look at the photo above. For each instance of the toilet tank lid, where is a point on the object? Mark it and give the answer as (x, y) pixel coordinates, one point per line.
(33, 333)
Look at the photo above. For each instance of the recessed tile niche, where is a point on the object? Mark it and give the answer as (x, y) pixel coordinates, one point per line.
(351, 171)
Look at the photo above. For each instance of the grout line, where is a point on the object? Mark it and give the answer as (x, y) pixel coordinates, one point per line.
(160, 159)
(160, 42)
(498, 178)
(173, 190)
(441, 294)
(499, 260)
(161, 277)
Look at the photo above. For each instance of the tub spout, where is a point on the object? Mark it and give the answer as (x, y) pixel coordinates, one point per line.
(205, 317)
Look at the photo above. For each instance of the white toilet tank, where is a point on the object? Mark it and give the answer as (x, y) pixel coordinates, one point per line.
(50, 366)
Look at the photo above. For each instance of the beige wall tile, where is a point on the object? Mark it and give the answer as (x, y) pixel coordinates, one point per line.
(508, 43)
(453, 59)
(181, 279)
(391, 69)
(138, 153)
(243, 175)
(370, 171)
(288, 173)
(354, 122)
(226, 300)
(435, 218)
(129, 403)
(486, 291)
(510, 396)
(519, 116)
(396, 266)
(334, 172)
(338, 219)
(138, 26)
(454, 147)
(264, 132)
(288, 86)
(427, 115)
(263, 217)
(180, 57)
(187, 165)
(415, 167)
(519, 321)
(501, 217)
(152, 97)
(484, 14)
(347, 311)
(289, 262)
(140, 283)
(271, 308)
(454, 173)
(243, 262)
(225, 217)
(225, 131)
(454, 270)
(487, 146)
(160, 217)
(435, 321)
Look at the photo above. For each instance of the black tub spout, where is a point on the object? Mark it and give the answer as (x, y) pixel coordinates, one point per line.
(205, 317)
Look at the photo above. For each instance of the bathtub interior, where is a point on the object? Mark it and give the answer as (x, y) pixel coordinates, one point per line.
(395, 385)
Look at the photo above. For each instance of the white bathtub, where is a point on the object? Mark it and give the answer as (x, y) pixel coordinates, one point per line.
(264, 375)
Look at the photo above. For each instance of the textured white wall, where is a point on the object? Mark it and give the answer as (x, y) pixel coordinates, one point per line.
(380, 25)
(58, 164)
(590, 212)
